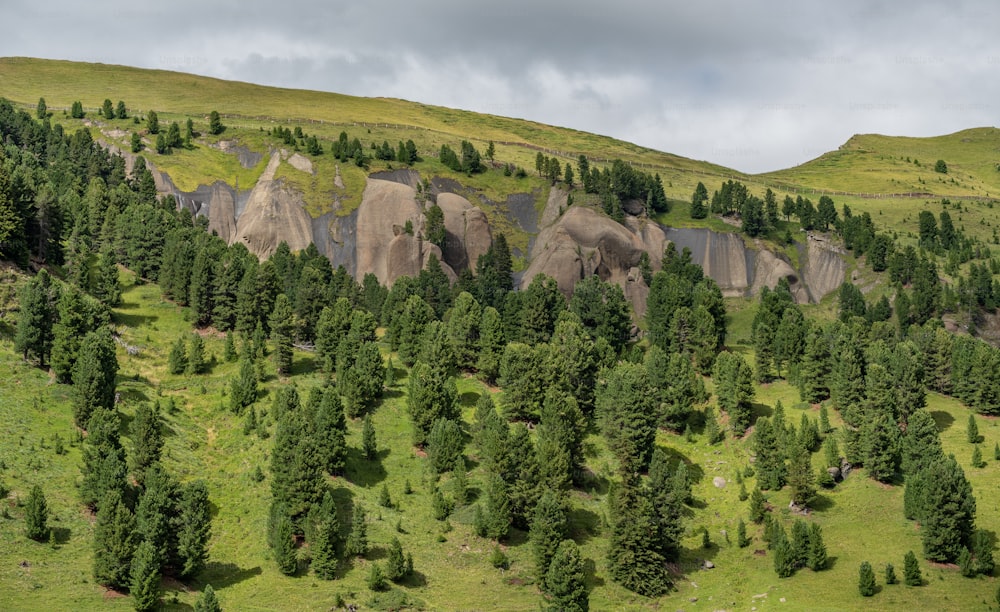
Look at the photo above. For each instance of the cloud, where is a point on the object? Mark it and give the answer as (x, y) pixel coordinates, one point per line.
(737, 83)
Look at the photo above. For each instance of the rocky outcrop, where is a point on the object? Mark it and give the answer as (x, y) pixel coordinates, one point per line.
(825, 266)
(274, 213)
(583, 242)
(723, 256)
(467, 231)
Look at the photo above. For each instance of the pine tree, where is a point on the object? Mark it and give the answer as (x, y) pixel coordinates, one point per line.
(965, 564)
(565, 582)
(193, 529)
(145, 577)
(357, 541)
(922, 444)
(817, 558)
(880, 440)
(36, 515)
(866, 579)
(972, 430)
(890, 574)
(757, 507)
(770, 461)
(207, 601)
(801, 478)
(814, 369)
(824, 420)
(949, 510)
(243, 388)
(326, 535)
(196, 355)
(548, 529)
(376, 578)
(94, 375)
(432, 394)
(493, 521)
(444, 445)
(911, 570)
(280, 533)
(627, 415)
(632, 559)
(982, 551)
(741, 535)
(177, 360)
(104, 466)
(229, 351)
(114, 541)
(36, 302)
(369, 446)
(491, 345)
(395, 564)
(68, 333)
(282, 326)
(154, 510)
(734, 388)
(784, 559)
(977, 457)
(330, 427)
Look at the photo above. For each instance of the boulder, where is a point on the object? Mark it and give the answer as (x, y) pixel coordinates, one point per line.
(385, 208)
(834, 473)
(467, 231)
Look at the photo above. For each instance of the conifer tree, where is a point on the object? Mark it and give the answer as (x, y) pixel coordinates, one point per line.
(33, 334)
(801, 478)
(494, 519)
(972, 430)
(331, 427)
(144, 584)
(114, 541)
(741, 535)
(103, 458)
(36, 515)
(668, 493)
(94, 375)
(866, 579)
(627, 415)
(757, 508)
(559, 439)
(193, 528)
(432, 394)
(965, 563)
(977, 457)
(395, 564)
(548, 529)
(444, 444)
(491, 345)
(734, 388)
(784, 559)
(296, 465)
(243, 388)
(817, 558)
(890, 574)
(369, 446)
(982, 551)
(770, 461)
(814, 369)
(280, 532)
(282, 329)
(207, 601)
(196, 355)
(565, 580)
(326, 537)
(911, 570)
(68, 333)
(229, 350)
(633, 561)
(880, 441)
(107, 288)
(177, 360)
(154, 511)
(357, 541)
(949, 510)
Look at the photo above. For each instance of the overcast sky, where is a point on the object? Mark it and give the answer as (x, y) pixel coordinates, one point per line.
(756, 86)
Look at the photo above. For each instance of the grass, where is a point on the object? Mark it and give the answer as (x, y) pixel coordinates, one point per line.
(204, 440)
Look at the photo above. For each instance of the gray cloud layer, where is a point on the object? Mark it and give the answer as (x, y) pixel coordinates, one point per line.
(755, 86)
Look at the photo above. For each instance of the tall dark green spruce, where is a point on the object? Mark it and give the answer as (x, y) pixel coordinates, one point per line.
(565, 581)
(94, 375)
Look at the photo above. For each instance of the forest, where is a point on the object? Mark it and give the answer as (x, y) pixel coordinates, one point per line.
(557, 374)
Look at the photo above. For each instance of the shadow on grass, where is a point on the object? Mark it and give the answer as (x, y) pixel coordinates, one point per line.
(222, 575)
(595, 484)
(694, 471)
(364, 472)
(590, 573)
(414, 580)
(760, 410)
(62, 534)
(132, 320)
(831, 562)
(942, 419)
(303, 365)
(822, 503)
(468, 399)
(584, 525)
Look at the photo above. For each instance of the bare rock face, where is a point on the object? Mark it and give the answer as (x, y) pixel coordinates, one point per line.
(407, 255)
(467, 231)
(770, 269)
(274, 213)
(825, 267)
(723, 256)
(386, 206)
(583, 242)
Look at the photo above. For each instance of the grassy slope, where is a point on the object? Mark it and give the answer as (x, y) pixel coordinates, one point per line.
(206, 441)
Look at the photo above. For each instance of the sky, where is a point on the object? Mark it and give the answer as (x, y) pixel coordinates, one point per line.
(756, 86)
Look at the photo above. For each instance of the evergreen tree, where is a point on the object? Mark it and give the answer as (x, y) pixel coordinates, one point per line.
(331, 428)
(734, 388)
(432, 394)
(444, 445)
(548, 529)
(193, 529)
(147, 439)
(145, 577)
(282, 329)
(154, 510)
(107, 289)
(911, 570)
(94, 375)
(207, 601)
(177, 360)
(817, 558)
(890, 574)
(196, 355)
(243, 388)
(633, 561)
(114, 541)
(770, 462)
(491, 345)
(565, 582)
(784, 558)
(36, 515)
(376, 578)
(880, 440)
(103, 458)
(972, 430)
(757, 507)
(948, 510)
(741, 535)
(229, 351)
(814, 370)
(357, 541)
(965, 564)
(626, 414)
(866, 579)
(977, 458)
(982, 551)
(369, 446)
(395, 564)
(326, 538)
(68, 332)
(296, 466)
(801, 479)
(215, 123)
(493, 520)
(922, 444)
(33, 334)
(281, 538)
